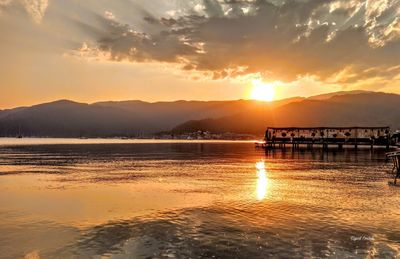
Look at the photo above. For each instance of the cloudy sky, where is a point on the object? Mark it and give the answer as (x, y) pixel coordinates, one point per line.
(155, 50)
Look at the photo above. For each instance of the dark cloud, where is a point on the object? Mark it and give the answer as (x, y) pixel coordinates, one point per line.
(279, 39)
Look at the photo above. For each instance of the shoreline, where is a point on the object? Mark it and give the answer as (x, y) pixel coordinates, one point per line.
(6, 141)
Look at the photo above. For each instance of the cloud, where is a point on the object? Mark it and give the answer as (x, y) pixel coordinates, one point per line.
(5, 2)
(341, 42)
(35, 8)
(281, 40)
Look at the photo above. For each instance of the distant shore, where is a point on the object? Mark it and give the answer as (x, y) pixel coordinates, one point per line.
(197, 135)
(6, 141)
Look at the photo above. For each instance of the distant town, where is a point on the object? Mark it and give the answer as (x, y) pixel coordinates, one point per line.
(206, 135)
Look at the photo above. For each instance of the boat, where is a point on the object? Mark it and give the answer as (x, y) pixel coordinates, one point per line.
(19, 132)
(259, 144)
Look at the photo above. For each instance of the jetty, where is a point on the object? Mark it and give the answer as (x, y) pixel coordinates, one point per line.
(310, 137)
(395, 156)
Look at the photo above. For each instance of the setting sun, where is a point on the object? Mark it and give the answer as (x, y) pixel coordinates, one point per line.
(262, 91)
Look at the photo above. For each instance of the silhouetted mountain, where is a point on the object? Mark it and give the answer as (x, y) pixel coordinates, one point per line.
(330, 95)
(167, 115)
(363, 109)
(133, 118)
(70, 119)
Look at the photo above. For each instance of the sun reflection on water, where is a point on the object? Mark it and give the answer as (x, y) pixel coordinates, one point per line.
(262, 181)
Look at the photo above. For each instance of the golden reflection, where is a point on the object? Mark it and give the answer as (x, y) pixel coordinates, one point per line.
(260, 165)
(262, 180)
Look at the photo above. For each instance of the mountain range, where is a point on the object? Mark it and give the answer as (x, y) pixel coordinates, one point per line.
(66, 118)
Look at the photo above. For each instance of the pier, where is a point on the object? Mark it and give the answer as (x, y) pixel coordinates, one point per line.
(395, 156)
(310, 137)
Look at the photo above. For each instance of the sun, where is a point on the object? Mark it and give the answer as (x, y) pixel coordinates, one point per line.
(262, 91)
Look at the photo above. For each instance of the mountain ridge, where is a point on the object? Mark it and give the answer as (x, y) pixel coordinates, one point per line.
(365, 109)
(66, 118)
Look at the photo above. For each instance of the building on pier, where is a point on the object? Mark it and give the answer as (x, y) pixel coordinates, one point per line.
(310, 136)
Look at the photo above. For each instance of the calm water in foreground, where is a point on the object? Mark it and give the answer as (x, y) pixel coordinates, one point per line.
(87, 199)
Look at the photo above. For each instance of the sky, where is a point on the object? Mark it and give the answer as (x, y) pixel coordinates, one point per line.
(164, 50)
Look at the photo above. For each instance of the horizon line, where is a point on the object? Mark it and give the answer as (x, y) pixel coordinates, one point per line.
(188, 100)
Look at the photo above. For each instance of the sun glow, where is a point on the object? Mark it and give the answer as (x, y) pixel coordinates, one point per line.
(262, 91)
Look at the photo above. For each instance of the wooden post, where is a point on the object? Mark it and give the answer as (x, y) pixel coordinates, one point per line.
(325, 136)
(397, 166)
(298, 138)
(355, 145)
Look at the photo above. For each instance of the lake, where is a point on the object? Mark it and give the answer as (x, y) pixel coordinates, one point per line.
(64, 198)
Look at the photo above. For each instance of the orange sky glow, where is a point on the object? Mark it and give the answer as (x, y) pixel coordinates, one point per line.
(197, 50)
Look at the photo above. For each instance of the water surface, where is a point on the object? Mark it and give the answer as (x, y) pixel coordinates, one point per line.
(140, 199)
